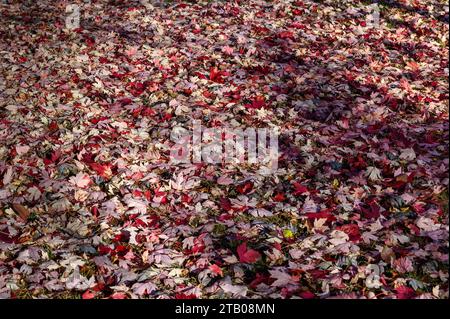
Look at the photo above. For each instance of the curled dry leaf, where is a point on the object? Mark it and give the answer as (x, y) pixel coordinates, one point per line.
(21, 211)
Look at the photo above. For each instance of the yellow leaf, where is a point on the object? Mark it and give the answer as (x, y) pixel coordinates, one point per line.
(288, 234)
(335, 183)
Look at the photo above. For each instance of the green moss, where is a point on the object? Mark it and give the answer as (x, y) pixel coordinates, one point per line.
(443, 199)
(280, 219)
(88, 270)
(219, 229)
(23, 293)
(33, 217)
(204, 183)
(49, 251)
(194, 221)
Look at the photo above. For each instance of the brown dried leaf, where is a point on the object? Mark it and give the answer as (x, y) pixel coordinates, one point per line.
(21, 210)
(387, 254)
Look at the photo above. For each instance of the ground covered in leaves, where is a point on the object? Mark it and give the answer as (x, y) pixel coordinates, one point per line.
(91, 208)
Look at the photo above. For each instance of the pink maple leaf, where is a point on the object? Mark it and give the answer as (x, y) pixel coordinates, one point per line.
(216, 269)
(88, 295)
(227, 50)
(81, 180)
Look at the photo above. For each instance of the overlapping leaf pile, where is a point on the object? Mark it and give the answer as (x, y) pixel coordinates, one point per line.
(90, 206)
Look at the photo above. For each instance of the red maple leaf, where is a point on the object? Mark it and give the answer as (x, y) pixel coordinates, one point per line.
(372, 211)
(52, 158)
(216, 76)
(53, 126)
(245, 188)
(137, 88)
(299, 189)
(286, 35)
(322, 214)
(259, 279)
(258, 103)
(279, 197)
(225, 204)
(307, 295)
(104, 170)
(404, 292)
(352, 230)
(216, 269)
(317, 273)
(247, 255)
(5, 237)
(90, 42)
